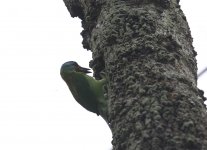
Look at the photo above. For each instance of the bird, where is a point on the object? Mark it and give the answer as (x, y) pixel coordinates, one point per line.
(86, 90)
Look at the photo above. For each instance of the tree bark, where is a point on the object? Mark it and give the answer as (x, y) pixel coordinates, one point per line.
(144, 48)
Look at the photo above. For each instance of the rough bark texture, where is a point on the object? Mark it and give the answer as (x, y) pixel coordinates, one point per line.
(145, 49)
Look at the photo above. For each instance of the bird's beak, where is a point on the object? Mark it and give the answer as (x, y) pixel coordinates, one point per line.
(84, 70)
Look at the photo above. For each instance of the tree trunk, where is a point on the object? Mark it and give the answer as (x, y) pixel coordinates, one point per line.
(144, 48)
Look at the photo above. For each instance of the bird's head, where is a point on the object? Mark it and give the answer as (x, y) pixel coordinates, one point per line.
(72, 66)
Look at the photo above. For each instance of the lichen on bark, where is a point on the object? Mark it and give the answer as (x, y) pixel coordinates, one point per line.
(144, 47)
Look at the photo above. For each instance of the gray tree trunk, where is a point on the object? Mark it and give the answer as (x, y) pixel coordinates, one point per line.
(144, 47)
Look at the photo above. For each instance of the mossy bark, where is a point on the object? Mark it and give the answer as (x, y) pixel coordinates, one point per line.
(144, 47)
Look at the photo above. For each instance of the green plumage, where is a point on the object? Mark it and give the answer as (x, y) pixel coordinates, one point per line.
(87, 91)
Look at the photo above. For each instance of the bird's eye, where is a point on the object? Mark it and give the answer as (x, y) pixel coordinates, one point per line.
(77, 68)
(76, 65)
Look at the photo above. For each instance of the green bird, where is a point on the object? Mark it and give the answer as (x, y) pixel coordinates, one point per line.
(87, 91)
